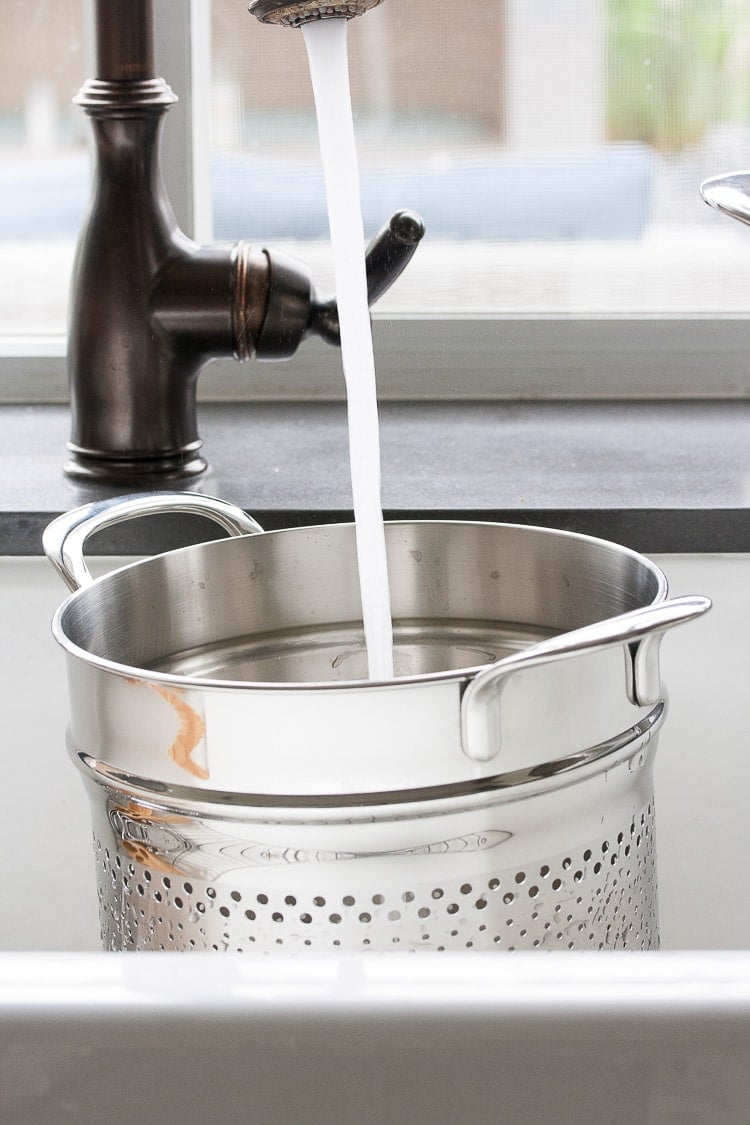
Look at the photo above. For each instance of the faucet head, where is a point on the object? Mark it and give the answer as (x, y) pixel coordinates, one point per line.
(293, 13)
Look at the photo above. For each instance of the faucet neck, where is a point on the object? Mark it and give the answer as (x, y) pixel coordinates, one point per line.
(126, 83)
(124, 40)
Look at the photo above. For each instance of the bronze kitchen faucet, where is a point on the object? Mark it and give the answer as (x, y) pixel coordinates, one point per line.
(149, 306)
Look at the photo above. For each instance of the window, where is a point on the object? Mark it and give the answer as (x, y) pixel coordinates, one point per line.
(554, 147)
(43, 166)
(563, 140)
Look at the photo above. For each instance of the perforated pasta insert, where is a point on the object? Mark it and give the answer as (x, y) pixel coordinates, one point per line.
(598, 895)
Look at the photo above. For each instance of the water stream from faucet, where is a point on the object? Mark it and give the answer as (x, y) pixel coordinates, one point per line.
(326, 42)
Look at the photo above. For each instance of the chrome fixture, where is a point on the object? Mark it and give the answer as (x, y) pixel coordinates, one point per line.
(729, 193)
(149, 306)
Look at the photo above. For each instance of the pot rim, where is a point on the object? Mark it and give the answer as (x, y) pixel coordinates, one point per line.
(459, 675)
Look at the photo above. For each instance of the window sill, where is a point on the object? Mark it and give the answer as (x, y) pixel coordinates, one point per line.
(660, 477)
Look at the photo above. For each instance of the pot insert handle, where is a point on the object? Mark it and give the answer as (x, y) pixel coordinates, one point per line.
(640, 629)
(64, 539)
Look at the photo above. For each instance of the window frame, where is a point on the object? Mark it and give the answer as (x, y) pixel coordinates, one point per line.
(419, 357)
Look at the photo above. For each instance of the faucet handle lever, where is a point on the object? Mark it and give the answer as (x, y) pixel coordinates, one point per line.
(386, 258)
(294, 310)
(390, 252)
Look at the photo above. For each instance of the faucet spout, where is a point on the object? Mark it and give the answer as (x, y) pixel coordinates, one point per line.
(295, 13)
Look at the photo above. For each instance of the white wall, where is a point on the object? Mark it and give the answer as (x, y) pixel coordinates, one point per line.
(702, 776)
(46, 869)
(703, 763)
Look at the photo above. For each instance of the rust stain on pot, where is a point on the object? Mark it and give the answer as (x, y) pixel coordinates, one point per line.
(192, 729)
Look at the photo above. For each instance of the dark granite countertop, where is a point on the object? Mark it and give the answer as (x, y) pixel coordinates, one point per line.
(656, 476)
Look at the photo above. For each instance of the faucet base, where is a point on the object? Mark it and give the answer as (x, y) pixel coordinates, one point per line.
(88, 466)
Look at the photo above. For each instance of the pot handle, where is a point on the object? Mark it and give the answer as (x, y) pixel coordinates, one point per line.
(640, 630)
(64, 539)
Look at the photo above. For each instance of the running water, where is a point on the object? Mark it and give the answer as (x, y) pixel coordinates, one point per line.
(326, 42)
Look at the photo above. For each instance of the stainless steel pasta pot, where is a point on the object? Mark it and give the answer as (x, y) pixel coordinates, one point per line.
(251, 790)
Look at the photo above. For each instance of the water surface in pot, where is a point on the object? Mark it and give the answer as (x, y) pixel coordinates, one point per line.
(336, 654)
